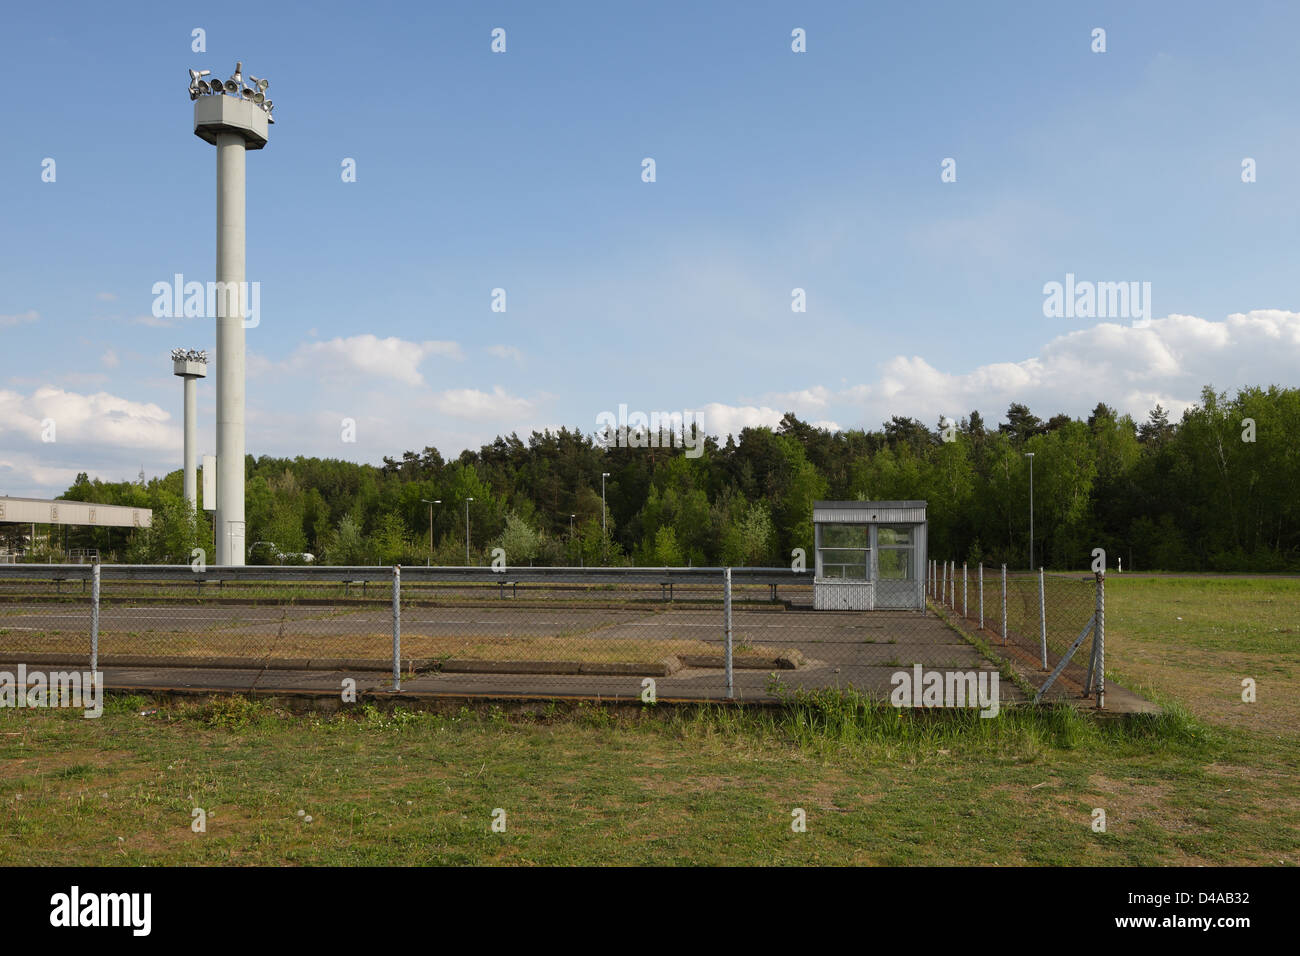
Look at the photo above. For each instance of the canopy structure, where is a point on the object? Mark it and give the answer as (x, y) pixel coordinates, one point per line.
(58, 511)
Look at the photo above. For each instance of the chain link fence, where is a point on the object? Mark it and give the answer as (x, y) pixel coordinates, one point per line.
(677, 633)
(1052, 626)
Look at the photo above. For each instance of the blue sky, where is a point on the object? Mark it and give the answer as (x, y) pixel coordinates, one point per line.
(522, 170)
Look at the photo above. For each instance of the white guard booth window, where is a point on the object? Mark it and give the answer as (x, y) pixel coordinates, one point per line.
(870, 555)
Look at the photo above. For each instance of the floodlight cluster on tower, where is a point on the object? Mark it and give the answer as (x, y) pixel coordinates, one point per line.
(256, 93)
(190, 355)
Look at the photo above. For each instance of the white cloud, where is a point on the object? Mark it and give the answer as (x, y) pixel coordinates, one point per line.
(99, 419)
(391, 357)
(105, 297)
(31, 315)
(1132, 368)
(723, 420)
(99, 433)
(23, 476)
(473, 403)
(109, 359)
(506, 352)
(806, 399)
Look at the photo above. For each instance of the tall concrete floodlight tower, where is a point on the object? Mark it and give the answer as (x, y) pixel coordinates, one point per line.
(233, 117)
(191, 365)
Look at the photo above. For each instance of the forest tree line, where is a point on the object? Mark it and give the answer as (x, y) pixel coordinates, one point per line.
(1214, 490)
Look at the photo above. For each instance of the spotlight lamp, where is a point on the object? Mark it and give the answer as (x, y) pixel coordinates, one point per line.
(254, 93)
(197, 85)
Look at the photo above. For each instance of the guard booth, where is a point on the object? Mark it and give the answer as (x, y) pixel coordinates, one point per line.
(870, 555)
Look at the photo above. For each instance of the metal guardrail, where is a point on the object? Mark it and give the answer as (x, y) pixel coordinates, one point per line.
(413, 574)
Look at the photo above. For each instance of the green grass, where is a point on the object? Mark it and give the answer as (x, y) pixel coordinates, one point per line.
(1211, 781)
(1195, 640)
(699, 786)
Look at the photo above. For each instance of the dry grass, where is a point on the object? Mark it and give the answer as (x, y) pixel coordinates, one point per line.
(378, 646)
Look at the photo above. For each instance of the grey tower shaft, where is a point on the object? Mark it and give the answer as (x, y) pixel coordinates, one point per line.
(191, 426)
(190, 366)
(234, 120)
(230, 350)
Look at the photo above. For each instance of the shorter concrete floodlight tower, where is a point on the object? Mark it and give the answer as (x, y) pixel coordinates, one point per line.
(190, 365)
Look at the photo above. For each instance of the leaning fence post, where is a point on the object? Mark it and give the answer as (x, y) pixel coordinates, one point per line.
(726, 615)
(1099, 640)
(981, 595)
(1004, 604)
(963, 589)
(94, 620)
(1042, 616)
(397, 627)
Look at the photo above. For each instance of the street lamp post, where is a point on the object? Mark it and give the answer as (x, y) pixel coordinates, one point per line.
(467, 501)
(1030, 456)
(603, 476)
(435, 501)
(604, 533)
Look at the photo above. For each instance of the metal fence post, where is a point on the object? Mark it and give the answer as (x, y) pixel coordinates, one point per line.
(94, 619)
(726, 613)
(1099, 639)
(397, 627)
(981, 595)
(1042, 616)
(1004, 604)
(963, 589)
